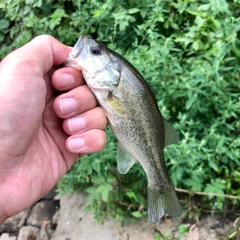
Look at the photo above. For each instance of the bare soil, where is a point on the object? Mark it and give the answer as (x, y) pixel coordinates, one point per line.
(65, 219)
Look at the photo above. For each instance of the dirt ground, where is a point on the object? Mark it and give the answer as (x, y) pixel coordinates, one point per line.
(65, 219)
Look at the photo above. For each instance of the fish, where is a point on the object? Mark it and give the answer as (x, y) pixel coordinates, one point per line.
(134, 117)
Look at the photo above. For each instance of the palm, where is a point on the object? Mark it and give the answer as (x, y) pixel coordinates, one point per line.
(40, 162)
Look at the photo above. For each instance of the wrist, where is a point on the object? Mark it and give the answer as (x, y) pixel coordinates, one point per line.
(3, 208)
(3, 215)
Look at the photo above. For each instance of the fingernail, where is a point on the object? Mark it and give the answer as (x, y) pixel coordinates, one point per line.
(76, 124)
(65, 80)
(76, 144)
(68, 105)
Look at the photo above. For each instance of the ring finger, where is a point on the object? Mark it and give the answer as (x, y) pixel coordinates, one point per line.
(92, 119)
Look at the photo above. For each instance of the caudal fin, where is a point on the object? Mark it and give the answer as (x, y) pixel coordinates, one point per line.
(160, 204)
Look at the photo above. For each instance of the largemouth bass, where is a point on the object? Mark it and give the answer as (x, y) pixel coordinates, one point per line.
(134, 117)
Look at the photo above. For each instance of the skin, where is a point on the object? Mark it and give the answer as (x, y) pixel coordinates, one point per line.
(43, 132)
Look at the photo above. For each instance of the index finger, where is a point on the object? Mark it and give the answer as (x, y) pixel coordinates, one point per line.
(67, 78)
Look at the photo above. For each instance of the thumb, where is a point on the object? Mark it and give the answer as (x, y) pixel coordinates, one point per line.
(45, 51)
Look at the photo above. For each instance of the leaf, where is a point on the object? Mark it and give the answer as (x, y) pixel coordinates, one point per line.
(4, 24)
(2, 5)
(58, 14)
(98, 179)
(183, 228)
(111, 178)
(213, 165)
(220, 143)
(157, 236)
(105, 190)
(199, 21)
(143, 13)
(133, 10)
(97, 167)
(191, 100)
(137, 214)
(56, 18)
(130, 194)
(204, 7)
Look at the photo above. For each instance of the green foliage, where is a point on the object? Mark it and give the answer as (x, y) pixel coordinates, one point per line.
(179, 233)
(188, 51)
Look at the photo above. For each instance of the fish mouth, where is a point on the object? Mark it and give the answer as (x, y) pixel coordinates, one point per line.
(76, 53)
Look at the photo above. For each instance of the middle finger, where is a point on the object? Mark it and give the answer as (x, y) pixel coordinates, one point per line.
(74, 102)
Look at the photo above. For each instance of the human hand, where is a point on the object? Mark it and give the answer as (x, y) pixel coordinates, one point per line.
(35, 151)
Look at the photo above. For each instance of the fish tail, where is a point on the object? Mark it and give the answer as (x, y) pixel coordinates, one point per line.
(163, 203)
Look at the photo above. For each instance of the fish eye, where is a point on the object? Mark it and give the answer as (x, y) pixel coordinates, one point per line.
(96, 50)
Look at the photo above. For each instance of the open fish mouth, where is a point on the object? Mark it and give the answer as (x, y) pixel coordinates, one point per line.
(77, 53)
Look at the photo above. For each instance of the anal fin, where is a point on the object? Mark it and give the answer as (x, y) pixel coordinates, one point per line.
(171, 135)
(124, 159)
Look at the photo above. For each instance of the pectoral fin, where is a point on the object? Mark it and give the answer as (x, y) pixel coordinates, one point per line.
(171, 135)
(124, 160)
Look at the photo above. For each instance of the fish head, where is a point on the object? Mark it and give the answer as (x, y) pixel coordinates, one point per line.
(99, 67)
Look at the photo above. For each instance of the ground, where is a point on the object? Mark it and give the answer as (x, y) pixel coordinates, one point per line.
(65, 219)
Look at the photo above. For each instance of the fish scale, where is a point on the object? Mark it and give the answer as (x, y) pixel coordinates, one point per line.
(134, 117)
